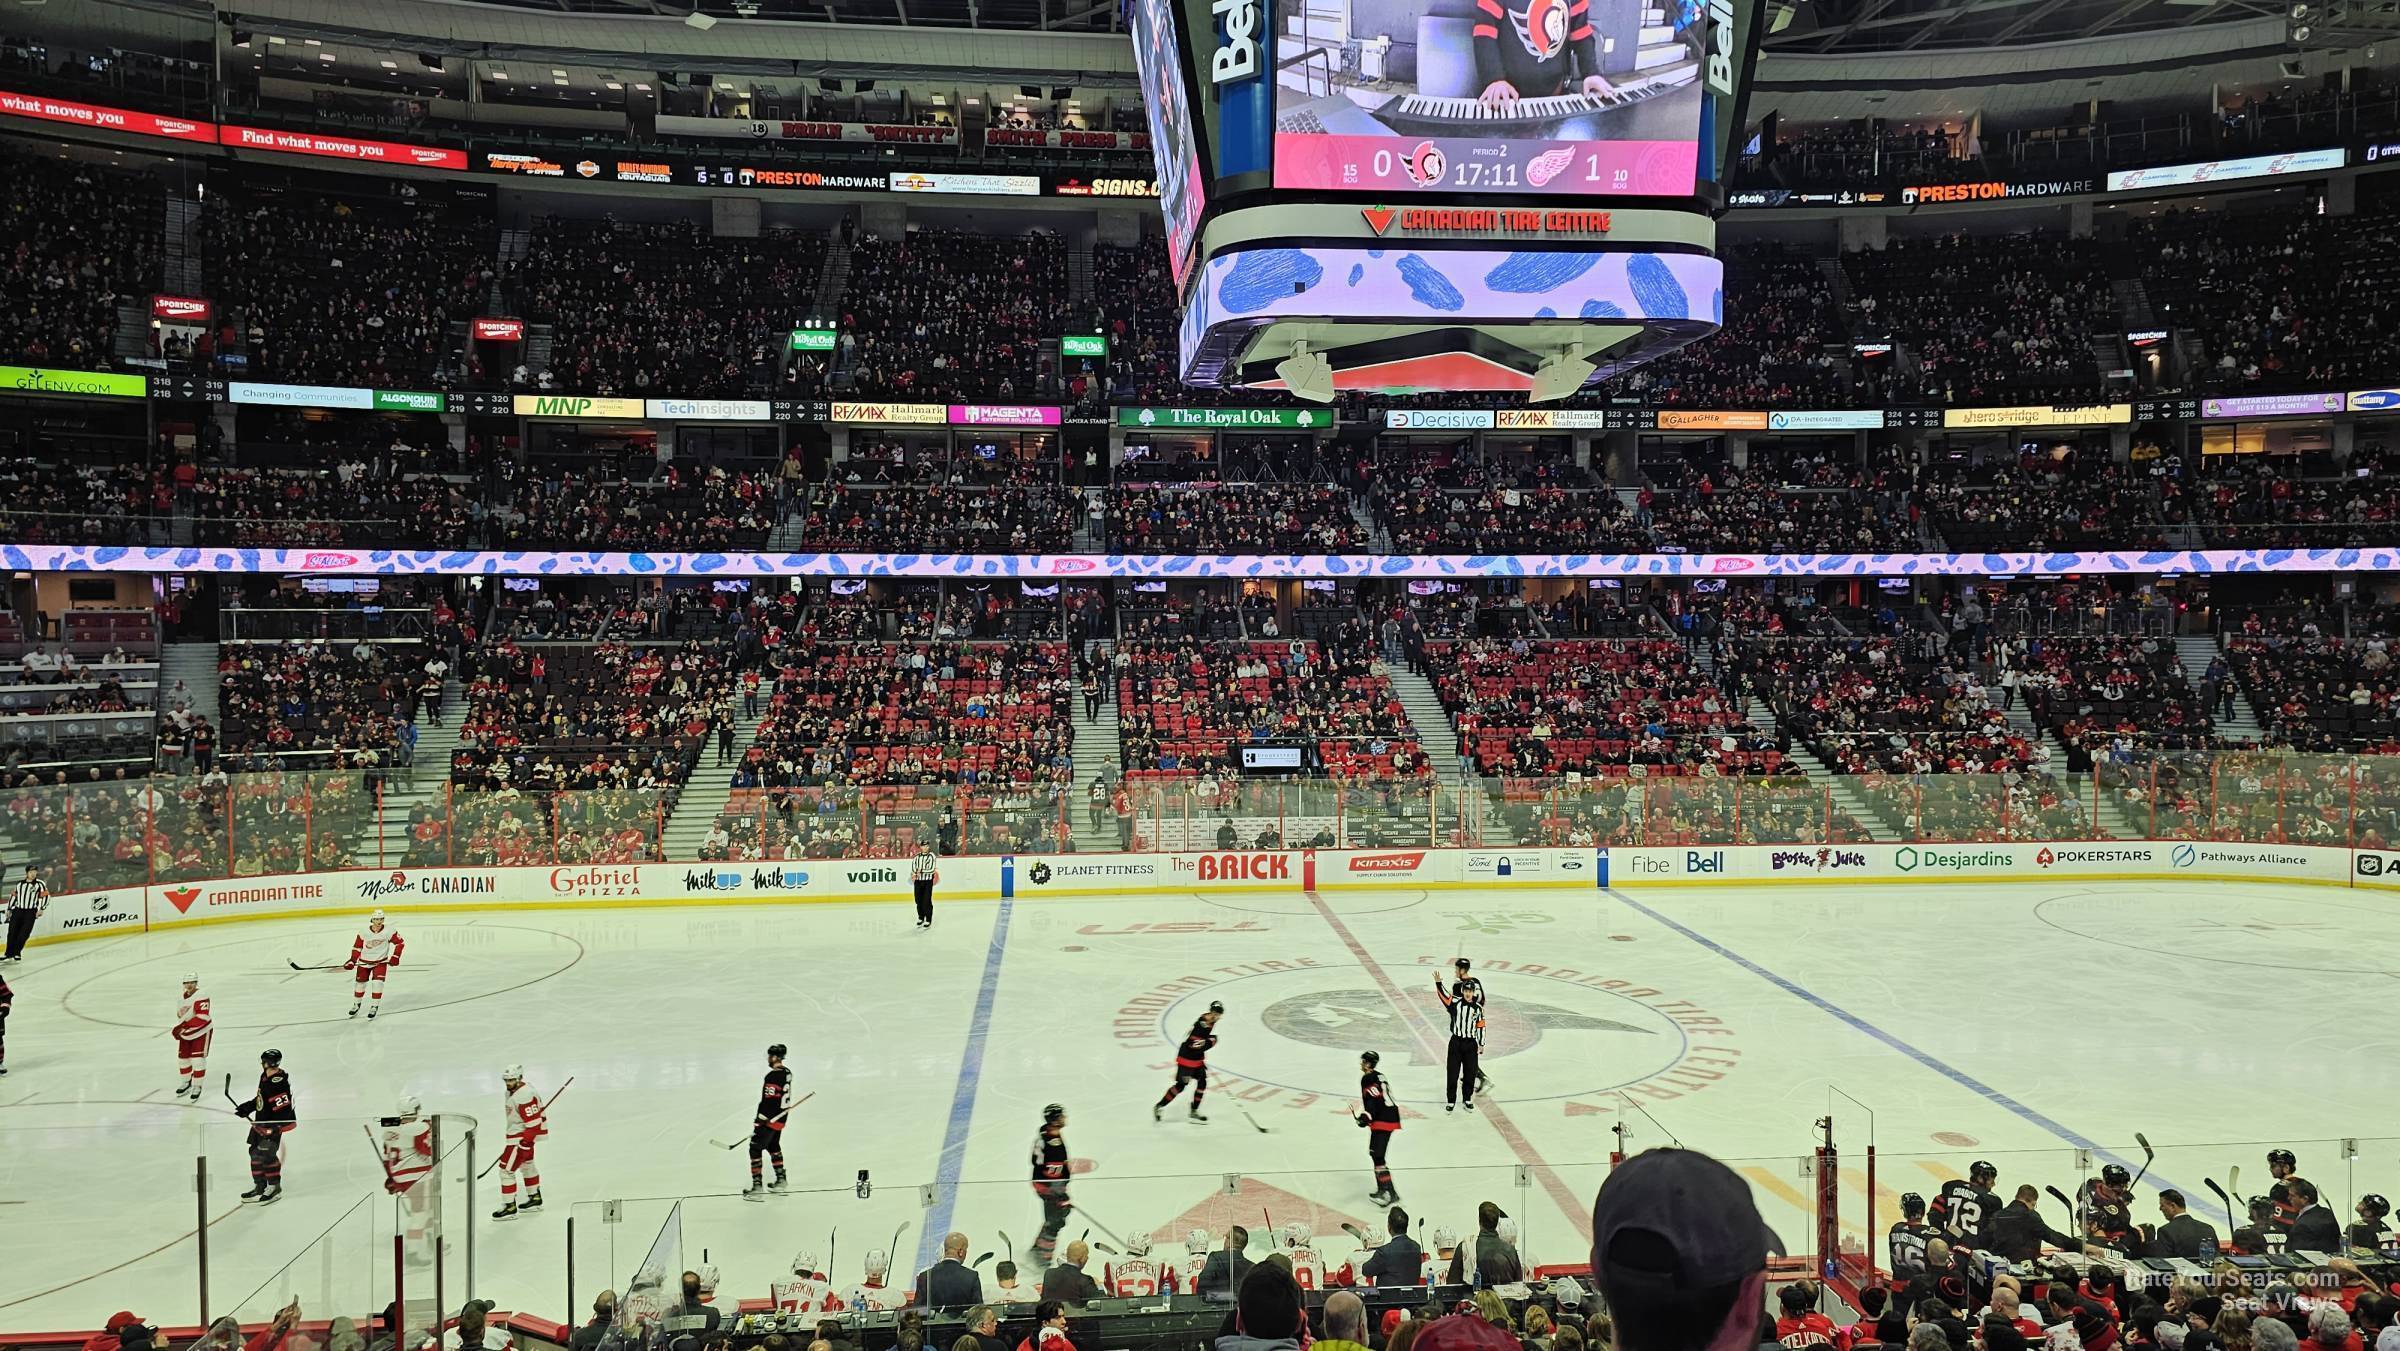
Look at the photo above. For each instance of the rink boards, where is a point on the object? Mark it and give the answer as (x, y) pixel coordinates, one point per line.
(1024, 877)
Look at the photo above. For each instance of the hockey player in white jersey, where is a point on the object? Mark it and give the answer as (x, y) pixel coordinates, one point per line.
(407, 1147)
(194, 1027)
(807, 1291)
(374, 952)
(1135, 1276)
(1196, 1247)
(523, 1120)
(1308, 1269)
(875, 1292)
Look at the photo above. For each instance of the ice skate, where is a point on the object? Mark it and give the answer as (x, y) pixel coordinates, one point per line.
(507, 1211)
(533, 1199)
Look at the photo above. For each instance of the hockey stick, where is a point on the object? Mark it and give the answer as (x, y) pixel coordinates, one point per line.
(2233, 1183)
(980, 1260)
(330, 966)
(2149, 1156)
(2064, 1201)
(562, 1092)
(229, 1090)
(2231, 1222)
(1252, 1120)
(737, 1144)
(1010, 1244)
(1087, 1215)
(892, 1253)
(379, 1160)
(1357, 1233)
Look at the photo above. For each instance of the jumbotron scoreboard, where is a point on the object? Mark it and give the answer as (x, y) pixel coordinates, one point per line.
(1441, 194)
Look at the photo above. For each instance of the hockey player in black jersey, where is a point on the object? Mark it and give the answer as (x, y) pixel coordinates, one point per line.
(1965, 1205)
(1191, 1061)
(766, 1129)
(1050, 1182)
(2104, 1205)
(1381, 1116)
(1908, 1239)
(270, 1114)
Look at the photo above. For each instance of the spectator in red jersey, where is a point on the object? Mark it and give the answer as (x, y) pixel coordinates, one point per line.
(2093, 1326)
(1800, 1327)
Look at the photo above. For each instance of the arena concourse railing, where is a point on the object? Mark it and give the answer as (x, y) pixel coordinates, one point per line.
(184, 828)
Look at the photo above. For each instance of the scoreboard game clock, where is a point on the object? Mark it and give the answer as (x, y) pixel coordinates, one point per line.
(1440, 194)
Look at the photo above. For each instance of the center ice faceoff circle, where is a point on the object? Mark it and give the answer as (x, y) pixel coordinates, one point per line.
(1554, 1032)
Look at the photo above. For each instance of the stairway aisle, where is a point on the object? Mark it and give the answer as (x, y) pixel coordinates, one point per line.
(704, 795)
(420, 785)
(195, 664)
(1846, 796)
(2196, 651)
(1431, 722)
(1098, 750)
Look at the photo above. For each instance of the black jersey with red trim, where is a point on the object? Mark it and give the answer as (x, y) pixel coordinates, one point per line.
(772, 1095)
(2106, 1217)
(1961, 1210)
(1535, 45)
(1908, 1248)
(1375, 1094)
(1049, 1156)
(1193, 1054)
(272, 1104)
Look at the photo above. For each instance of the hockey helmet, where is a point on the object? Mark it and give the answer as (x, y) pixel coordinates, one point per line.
(1911, 1204)
(804, 1263)
(1444, 1238)
(1507, 1229)
(1052, 1112)
(1369, 1059)
(2373, 1206)
(2284, 1157)
(408, 1107)
(878, 1263)
(1296, 1234)
(375, 918)
(514, 1074)
(777, 1051)
(1982, 1171)
(708, 1278)
(1216, 1006)
(1137, 1243)
(1196, 1240)
(2117, 1175)
(1463, 964)
(270, 1056)
(191, 978)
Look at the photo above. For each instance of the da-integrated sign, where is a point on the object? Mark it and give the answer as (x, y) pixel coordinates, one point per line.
(43, 380)
(1438, 419)
(299, 396)
(410, 401)
(1213, 419)
(576, 406)
(1827, 420)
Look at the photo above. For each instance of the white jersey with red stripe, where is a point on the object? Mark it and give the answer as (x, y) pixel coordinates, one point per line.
(407, 1152)
(192, 1018)
(1193, 1264)
(524, 1114)
(1134, 1277)
(376, 948)
(803, 1294)
(1308, 1270)
(864, 1297)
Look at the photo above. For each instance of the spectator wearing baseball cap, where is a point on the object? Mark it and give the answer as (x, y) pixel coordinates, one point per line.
(1679, 1253)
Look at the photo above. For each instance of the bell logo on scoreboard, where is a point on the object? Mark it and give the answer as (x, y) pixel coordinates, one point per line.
(1237, 49)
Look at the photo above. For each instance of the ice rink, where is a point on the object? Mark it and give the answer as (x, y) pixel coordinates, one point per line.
(2017, 1023)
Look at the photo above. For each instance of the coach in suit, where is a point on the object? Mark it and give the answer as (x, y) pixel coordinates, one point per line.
(1226, 1266)
(2184, 1235)
(2314, 1229)
(950, 1283)
(1399, 1261)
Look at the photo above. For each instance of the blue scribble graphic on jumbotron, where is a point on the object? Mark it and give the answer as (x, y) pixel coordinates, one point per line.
(1545, 312)
(1428, 286)
(1716, 306)
(431, 562)
(1655, 289)
(1539, 273)
(1260, 279)
(1601, 309)
(1357, 270)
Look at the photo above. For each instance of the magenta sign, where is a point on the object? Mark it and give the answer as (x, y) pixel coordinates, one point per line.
(2271, 405)
(1002, 415)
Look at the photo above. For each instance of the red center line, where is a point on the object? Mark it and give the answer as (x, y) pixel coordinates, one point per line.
(1578, 1209)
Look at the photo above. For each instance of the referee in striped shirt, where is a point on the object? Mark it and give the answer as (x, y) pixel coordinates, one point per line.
(26, 901)
(1464, 1000)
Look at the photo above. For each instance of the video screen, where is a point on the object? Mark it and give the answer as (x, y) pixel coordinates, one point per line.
(1538, 96)
(1174, 149)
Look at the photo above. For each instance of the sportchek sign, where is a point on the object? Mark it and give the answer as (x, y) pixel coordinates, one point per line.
(99, 117)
